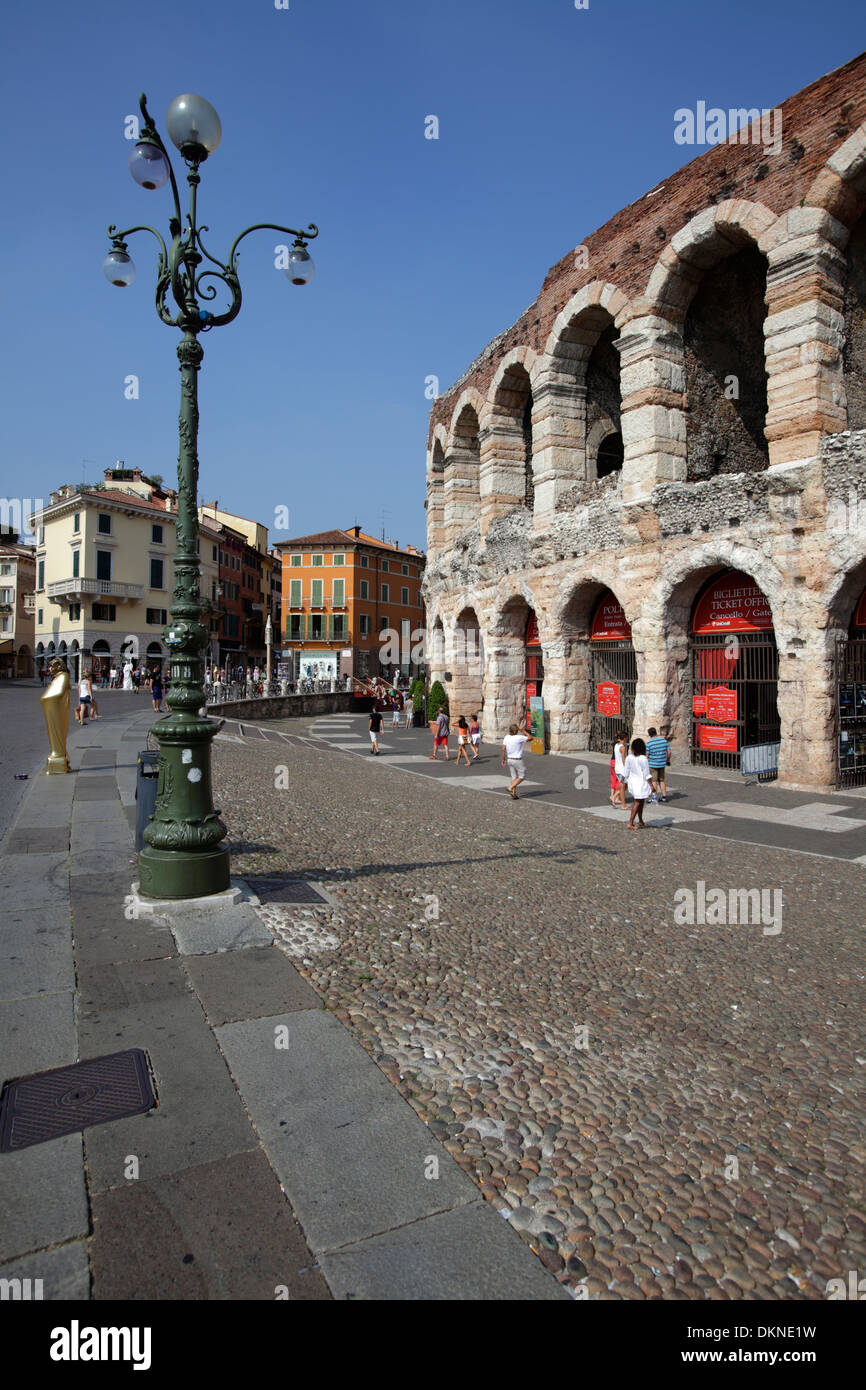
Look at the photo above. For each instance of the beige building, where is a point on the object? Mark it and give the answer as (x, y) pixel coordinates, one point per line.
(17, 609)
(105, 572)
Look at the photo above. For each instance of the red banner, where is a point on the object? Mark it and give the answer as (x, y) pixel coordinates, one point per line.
(733, 603)
(724, 740)
(607, 699)
(532, 638)
(721, 704)
(610, 621)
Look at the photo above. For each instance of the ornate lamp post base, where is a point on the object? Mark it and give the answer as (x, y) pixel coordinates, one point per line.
(183, 857)
(168, 873)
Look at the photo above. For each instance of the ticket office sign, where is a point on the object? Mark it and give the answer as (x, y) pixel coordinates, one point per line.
(608, 698)
(721, 704)
(720, 739)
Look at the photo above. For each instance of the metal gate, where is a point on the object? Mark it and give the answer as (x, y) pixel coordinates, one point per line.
(850, 681)
(746, 664)
(612, 661)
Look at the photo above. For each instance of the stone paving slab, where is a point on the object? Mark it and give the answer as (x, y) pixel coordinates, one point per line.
(657, 816)
(350, 1154)
(253, 983)
(199, 933)
(36, 1033)
(112, 834)
(36, 951)
(97, 861)
(461, 1255)
(96, 789)
(42, 839)
(219, 1230)
(64, 1272)
(33, 814)
(43, 1196)
(34, 877)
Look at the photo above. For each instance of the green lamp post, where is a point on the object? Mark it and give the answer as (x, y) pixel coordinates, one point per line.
(184, 856)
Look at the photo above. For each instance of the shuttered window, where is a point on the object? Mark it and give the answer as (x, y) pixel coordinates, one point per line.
(317, 600)
(295, 593)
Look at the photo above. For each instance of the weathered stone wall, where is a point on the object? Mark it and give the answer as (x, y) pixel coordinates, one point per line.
(284, 706)
(752, 266)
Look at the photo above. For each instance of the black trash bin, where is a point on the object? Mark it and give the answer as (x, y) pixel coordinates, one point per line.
(145, 793)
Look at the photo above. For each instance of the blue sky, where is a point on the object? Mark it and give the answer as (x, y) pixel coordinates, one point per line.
(550, 120)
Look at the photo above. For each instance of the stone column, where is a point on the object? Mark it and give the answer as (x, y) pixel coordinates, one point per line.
(567, 694)
(462, 502)
(559, 429)
(503, 468)
(435, 511)
(805, 334)
(652, 381)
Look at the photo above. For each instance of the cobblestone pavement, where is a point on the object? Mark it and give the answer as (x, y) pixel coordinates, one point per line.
(663, 1110)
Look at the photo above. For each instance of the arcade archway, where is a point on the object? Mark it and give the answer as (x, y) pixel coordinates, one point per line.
(613, 673)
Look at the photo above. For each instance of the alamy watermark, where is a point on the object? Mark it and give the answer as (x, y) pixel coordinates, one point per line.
(716, 907)
(738, 126)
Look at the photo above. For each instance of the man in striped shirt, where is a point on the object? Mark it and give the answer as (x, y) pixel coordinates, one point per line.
(657, 756)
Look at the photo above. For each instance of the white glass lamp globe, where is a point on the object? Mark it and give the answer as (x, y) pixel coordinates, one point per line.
(301, 267)
(193, 125)
(148, 165)
(118, 268)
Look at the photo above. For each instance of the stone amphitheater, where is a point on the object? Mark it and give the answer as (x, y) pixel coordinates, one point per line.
(646, 500)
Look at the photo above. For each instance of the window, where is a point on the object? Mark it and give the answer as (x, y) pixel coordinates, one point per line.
(5, 595)
(364, 624)
(317, 600)
(215, 552)
(157, 616)
(365, 588)
(5, 569)
(405, 569)
(294, 593)
(104, 612)
(317, 625)
(156, 572)
(76, 521)
(296, 627)
(339, 627)
(404, 596)
(339, 560)
(39, 613)
(103, 525)
(231, 624)
(40, 573)
(103, 564)
(318, 560)
(40, 540)
(296, 561)
(156, 534)
(75, 612)
(5, 624)
(386, 593)
(76, 563)
(364, 562)
(384, 624)
(339, 592)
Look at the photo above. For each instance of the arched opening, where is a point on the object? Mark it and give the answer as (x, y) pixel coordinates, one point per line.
(725, 372)
(613, 672)
(75, 666)
(154, 657)
(849, 680)
(100, 659)
(23, 662)
(534, 677)
(468, 664)
(603, 398)
(854, 354)
(462, 474)
(734, 671)
(513, 401)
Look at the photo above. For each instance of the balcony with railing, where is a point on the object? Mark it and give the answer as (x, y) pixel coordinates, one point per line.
(76, 588)
(29, 603)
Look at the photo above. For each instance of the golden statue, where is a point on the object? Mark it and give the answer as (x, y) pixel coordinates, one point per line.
(55, 707)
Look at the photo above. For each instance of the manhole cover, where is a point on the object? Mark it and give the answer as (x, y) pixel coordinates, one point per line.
(41, 1107)
(275, 890)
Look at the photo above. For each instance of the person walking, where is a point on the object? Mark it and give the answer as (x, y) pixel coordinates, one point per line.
(85, 698)
(475, 736)
(617, 772)
(396, 709)
(513, 746)
(409, 704)
(374, 726)
(637, 775)
(441, 729)
(658, 752)
(462, 740)
(155, 683)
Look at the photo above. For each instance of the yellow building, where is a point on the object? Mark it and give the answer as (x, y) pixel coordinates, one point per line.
(105, 572)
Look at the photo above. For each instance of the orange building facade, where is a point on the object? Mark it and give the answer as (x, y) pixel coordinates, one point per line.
(351, 606)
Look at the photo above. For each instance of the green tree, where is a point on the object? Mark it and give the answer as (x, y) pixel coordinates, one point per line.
(436, 700)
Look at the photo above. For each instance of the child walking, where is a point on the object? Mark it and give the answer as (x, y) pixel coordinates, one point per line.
(462, 740)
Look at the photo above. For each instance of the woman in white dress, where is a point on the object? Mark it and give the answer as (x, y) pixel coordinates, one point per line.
(640, 784)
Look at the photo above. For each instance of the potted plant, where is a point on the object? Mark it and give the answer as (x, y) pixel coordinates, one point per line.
(436, 700)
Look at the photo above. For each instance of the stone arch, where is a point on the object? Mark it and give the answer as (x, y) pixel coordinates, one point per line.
(664, 698)
(504, 684)
(462, 481)
(848, 584)
(507, 441)
(563, 345)
(435, 502)
(706, 239)
(840, 186)
(467, 666)
(567, 686)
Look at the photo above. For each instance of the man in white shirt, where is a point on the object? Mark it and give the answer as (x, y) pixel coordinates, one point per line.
(512, 753)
